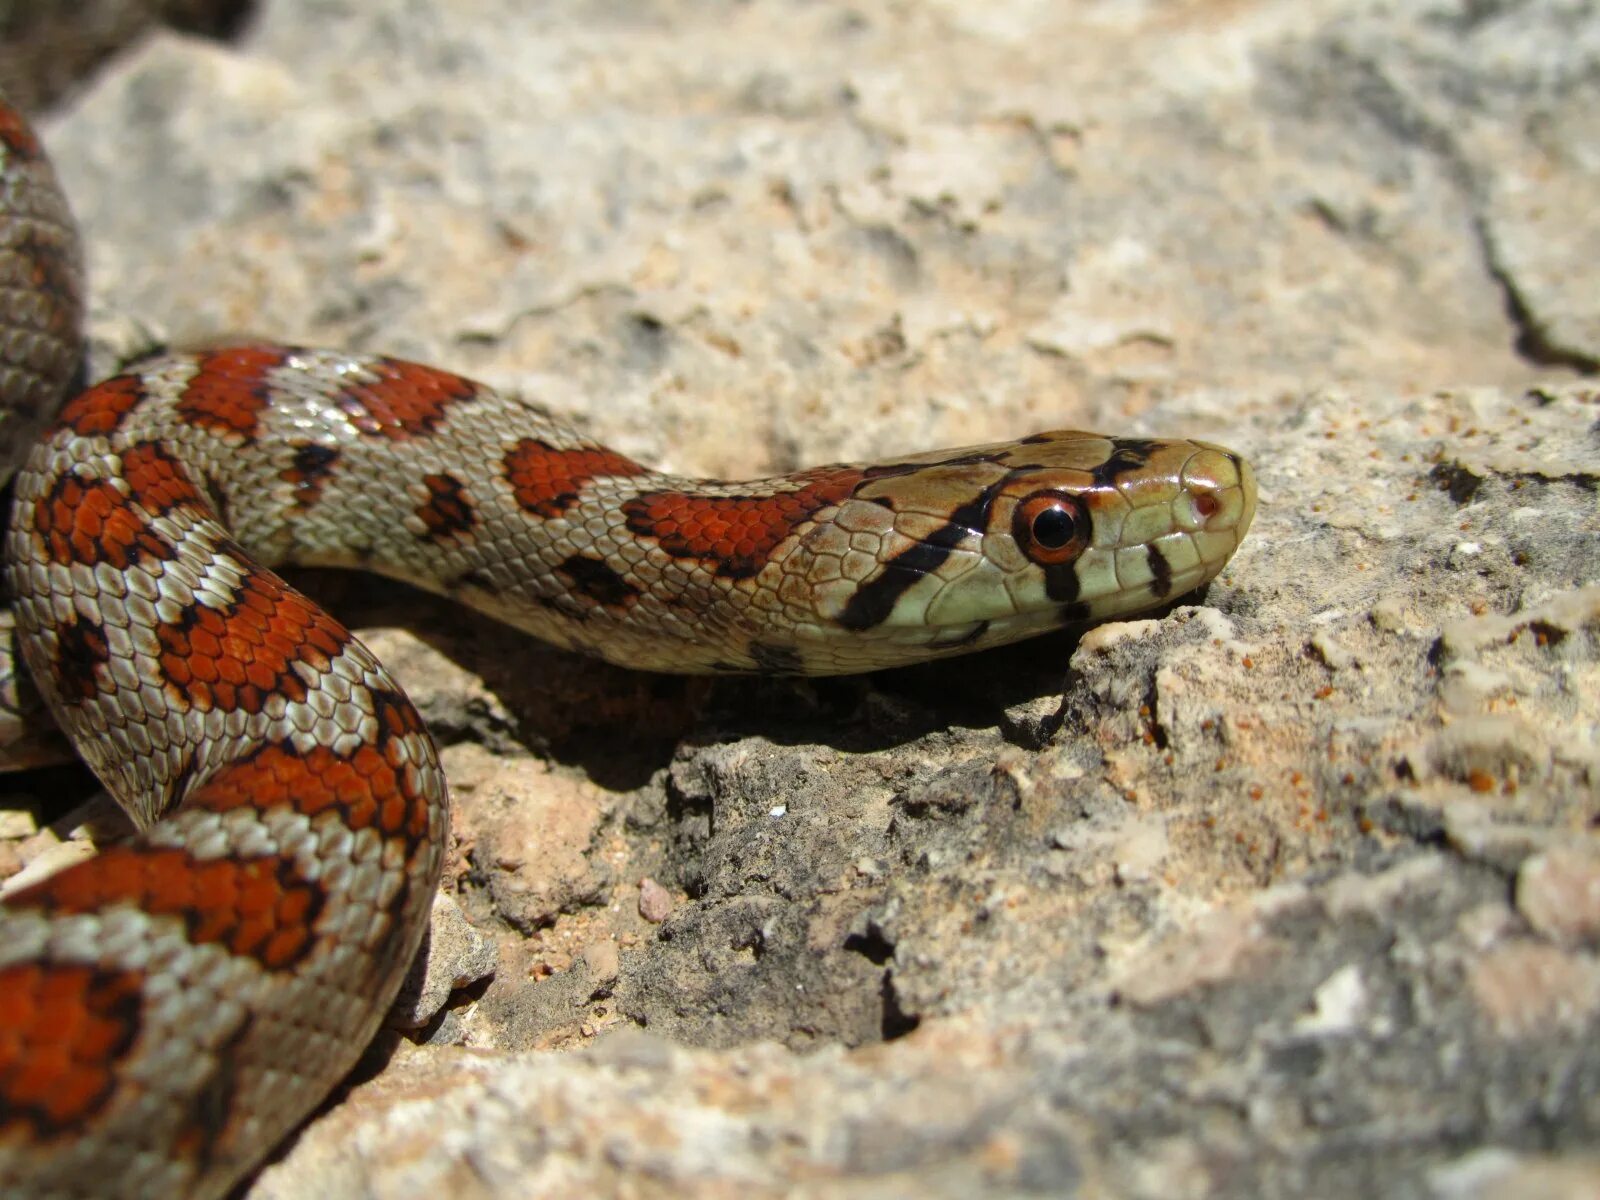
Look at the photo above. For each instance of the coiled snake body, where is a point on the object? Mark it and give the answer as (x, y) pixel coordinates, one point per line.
(172, 1007)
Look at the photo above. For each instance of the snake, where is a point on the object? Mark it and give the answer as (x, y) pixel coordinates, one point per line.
(175, 1006)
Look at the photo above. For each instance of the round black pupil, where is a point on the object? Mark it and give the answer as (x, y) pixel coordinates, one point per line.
(1053, 528)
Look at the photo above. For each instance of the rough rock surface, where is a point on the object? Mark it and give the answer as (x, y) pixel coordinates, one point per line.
(1294, 889)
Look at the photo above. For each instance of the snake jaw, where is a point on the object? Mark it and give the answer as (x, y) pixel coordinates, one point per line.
(1180, 522)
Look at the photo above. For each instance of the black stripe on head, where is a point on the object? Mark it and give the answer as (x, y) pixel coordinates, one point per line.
(1075, 613)
(1130, 454)
(971, 459)
(875, 599)
(1061, 581)
(1160, 569)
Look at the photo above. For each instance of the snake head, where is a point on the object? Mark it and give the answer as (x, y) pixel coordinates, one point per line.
(974, 548)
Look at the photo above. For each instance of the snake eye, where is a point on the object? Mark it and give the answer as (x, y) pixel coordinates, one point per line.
(1051, 527)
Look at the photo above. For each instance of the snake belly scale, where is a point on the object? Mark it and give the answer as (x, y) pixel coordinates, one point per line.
(171, 1008)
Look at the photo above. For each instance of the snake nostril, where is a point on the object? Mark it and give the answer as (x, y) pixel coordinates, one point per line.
(1207, 505)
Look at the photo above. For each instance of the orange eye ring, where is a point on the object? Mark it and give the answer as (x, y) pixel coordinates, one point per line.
(1051, 527)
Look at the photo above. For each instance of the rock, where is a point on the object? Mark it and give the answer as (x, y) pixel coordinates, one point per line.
(1526, 989)
(1501, 1175)
(655, 902)
(603, 961)
(531, 834)
(1559, 893)
(455, 956)
(1283, 891)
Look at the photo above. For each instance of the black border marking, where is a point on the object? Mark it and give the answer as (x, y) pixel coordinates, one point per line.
(597, 580)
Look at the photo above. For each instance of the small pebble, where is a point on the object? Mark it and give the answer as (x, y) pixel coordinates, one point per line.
(655, 902)
(601, 959)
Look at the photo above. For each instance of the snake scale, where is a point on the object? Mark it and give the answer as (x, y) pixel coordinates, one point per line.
(171, 1008)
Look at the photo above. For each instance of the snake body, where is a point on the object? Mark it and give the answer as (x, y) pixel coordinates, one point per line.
(171, 1008)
